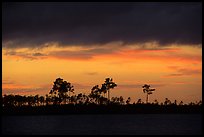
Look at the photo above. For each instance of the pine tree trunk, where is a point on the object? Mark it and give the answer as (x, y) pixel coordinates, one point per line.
(108, 95)
(147, 99)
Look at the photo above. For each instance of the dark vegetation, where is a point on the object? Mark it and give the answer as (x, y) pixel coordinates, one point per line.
(59, 101)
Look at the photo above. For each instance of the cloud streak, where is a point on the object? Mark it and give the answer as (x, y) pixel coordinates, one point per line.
(91, 73)
(25, 55)
(183, 72)
(107, 52)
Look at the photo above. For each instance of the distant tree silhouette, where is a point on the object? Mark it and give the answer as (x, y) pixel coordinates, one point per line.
(117, 100)
(107, 85)
(156, 102)
(181, 103)
(114, 100)
(95, 93)
(18, 100)
(200, 102)
(167, 101)
(148, 90)
(47, 99)
(31, 100)
(128, 100)
(121, 100)
(36, 98)
(139, 101)
(175, 102)
(61, 89)
(42, 100)
(79, 98)
(73, 99)
(8, 100)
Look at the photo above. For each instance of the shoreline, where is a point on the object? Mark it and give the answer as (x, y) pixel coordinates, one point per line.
(101, 109)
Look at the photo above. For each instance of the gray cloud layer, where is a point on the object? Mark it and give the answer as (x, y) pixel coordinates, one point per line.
(101, 23)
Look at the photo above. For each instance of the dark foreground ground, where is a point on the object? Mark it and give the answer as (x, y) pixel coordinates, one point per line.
(102, 109)
(114, 124)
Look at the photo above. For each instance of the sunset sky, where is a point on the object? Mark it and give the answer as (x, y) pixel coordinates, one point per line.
(134, 43)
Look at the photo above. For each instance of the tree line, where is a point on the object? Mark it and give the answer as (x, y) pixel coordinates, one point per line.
(62, 93)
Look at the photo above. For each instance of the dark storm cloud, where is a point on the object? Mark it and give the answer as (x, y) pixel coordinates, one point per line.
(28, 24)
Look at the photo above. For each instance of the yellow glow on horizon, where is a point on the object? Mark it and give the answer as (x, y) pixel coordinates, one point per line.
(128, 65)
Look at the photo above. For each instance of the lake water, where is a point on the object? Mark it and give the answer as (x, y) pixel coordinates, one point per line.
(139, 124)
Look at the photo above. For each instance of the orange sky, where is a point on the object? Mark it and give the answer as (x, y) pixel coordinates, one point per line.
(174, 70)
